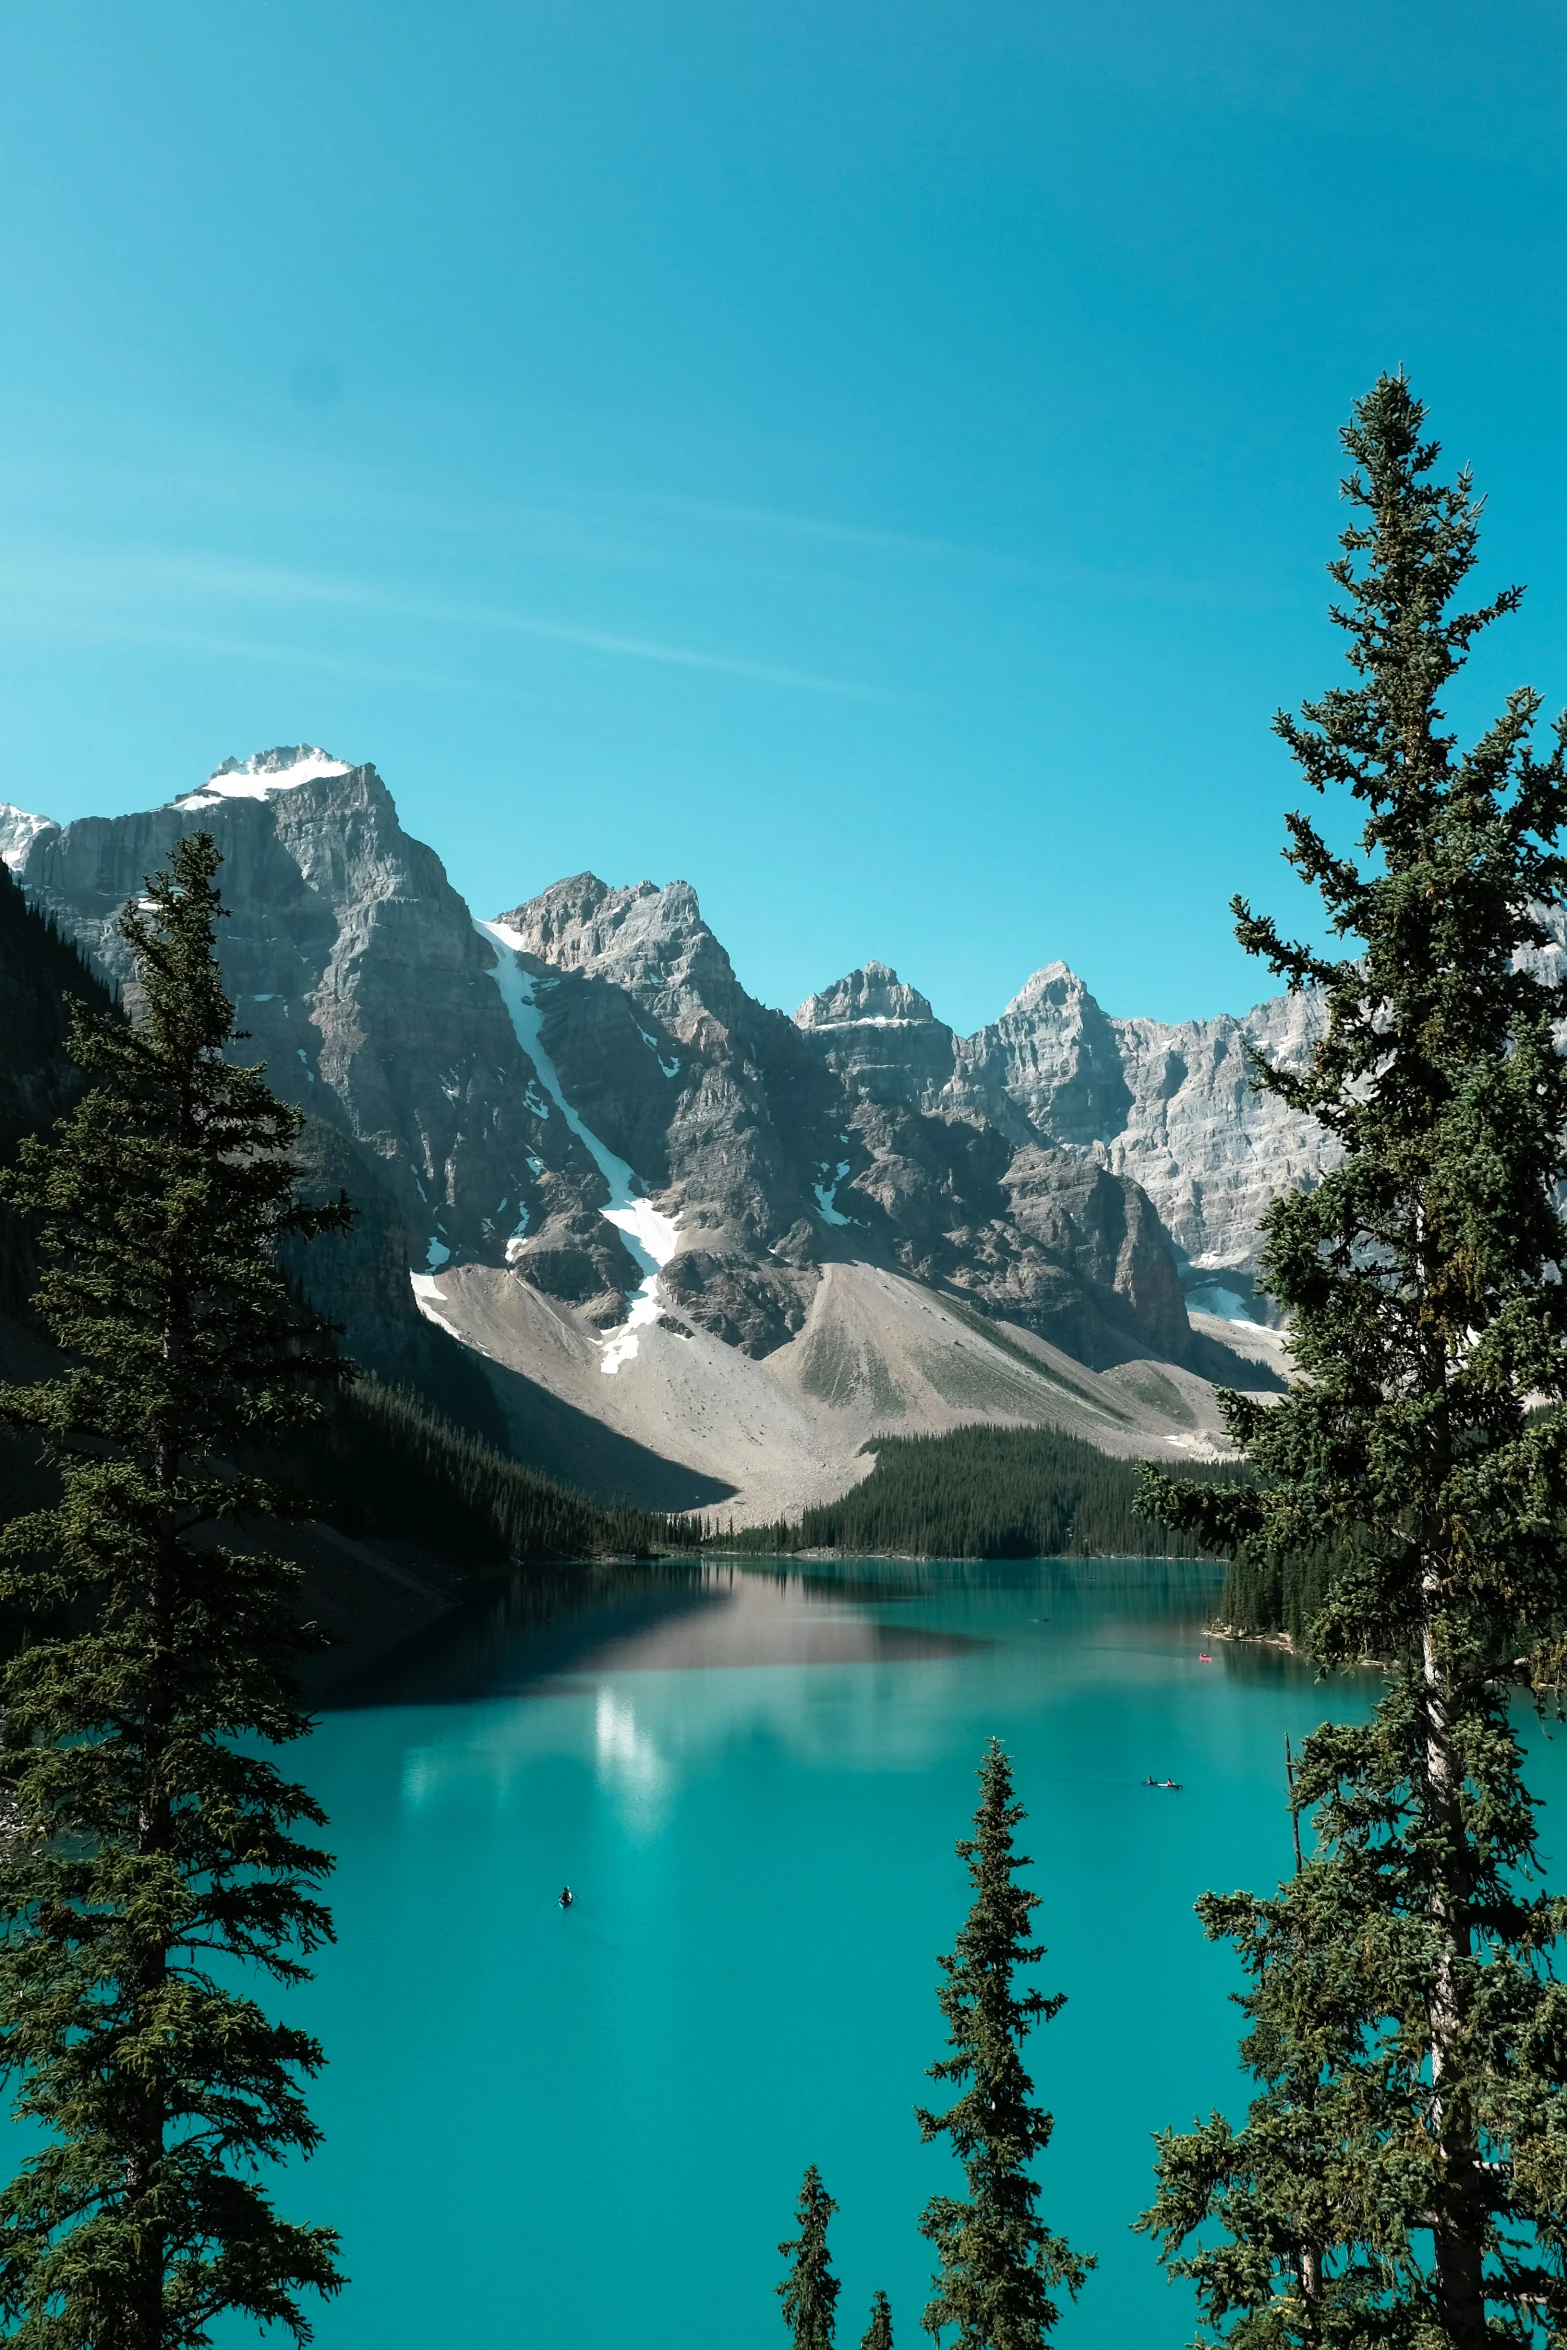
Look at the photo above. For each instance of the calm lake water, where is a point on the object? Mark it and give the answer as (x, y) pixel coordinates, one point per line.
(589, 2127)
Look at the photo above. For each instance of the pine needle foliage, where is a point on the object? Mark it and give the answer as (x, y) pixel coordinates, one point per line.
(999, 2265)
(1350, 2164)
(1406, 2028)
(809, 2292)
(40, 972)
(154, 1853)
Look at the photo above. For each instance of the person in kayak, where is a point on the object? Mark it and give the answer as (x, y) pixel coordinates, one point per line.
(566, 1897)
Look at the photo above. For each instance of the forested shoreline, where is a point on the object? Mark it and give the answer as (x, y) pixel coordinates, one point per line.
(978, 1492)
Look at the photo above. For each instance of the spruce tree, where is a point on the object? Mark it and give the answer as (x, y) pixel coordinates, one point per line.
(157, 1855)
(999, 2263)
(1402, 2177)
(809, 2292)
(878, 2334)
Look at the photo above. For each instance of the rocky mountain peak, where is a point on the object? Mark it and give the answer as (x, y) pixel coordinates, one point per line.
(360, 982)
(1054, 1056)
(265, 772)
(578, 923)
(652, 942)
(516, 1098)
(881, 1036)
(18, 831)
(873, 995)
(1055, 984)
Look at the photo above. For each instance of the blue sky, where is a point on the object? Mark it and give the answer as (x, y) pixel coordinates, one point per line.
(875, 462)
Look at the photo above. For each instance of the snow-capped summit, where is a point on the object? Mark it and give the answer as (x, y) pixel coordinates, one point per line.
(263, 773)
(18, 831)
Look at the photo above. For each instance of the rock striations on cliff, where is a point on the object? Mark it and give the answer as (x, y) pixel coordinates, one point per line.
(1170, 1107)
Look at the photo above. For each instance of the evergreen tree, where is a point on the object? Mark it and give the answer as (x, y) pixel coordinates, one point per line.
(809, 2292)
(878, 2334)
(152, 1844)
(999, 2264)
(1410, 2143)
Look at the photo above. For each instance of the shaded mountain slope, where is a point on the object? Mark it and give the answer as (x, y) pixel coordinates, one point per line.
(413, 1504)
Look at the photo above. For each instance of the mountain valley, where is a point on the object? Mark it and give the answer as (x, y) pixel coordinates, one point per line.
(682, 1248)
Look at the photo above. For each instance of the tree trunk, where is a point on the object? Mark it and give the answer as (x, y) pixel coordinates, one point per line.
(1459, 2213)
(149, 1969)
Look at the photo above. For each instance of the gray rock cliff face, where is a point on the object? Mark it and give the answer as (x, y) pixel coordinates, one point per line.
(882, 1036)
(1169, 1107)
(1054, 1056)
(1208, 1148)
(784, 1144)
(364, 986)
(493, 1090)
(996, 1206)
(710, 1097)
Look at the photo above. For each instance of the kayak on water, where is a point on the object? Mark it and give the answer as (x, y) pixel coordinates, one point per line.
(566, 1897)
(1173, 1784)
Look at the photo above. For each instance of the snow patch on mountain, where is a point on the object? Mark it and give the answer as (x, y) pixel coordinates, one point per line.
(263, 773)
(827, 1194)
(429, 1299)
(650, 1235)
(18, 831)
(670, 1068)
(646, 1310)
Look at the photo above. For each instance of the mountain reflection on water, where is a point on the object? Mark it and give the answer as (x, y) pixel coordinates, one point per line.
(542, 1624)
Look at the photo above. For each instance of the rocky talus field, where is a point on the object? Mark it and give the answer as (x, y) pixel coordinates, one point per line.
(689, 1250)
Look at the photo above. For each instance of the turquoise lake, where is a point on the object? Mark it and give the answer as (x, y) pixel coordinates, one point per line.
(589, 2127)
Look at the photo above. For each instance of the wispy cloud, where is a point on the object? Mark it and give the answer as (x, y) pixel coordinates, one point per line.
(214, 644)
(85, 581)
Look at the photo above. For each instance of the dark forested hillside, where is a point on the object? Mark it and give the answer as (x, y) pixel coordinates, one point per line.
(39, 973)
(388, 1466)
(983, 1492)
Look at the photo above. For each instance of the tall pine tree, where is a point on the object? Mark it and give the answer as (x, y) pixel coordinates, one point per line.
(154, 1845)
(999, 2263)
(1402, 2177)
(809, 2292)
(878, 2334)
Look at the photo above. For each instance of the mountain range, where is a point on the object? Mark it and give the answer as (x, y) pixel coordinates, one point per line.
(680, 1246)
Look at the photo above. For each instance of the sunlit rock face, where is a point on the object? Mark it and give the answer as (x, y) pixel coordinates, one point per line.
(1207, 1145)
(881, 1035)
(1052, 1055)
(1171, 1107)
